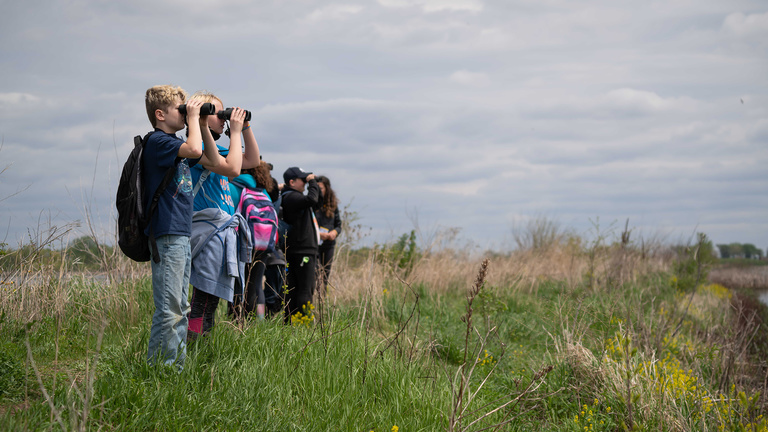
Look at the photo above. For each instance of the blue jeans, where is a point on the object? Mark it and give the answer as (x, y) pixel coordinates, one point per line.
(170, 290)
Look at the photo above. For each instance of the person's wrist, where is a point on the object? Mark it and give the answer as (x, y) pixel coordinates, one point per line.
(246, 127)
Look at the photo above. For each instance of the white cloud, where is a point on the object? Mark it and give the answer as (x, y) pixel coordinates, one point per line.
(436, 5)
(637, 99)
(466, 77)
(334, 12)
(324, 105)
(470, 188)
(18, 98)
(643, 101)
(746, 25)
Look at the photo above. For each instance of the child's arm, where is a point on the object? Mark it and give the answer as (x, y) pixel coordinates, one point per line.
(298, 201)
(211, 157)
(193, 148)
(313, 191)
(251, 157)
(231, 165)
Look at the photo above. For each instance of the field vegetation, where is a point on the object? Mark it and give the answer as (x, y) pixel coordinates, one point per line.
(603, 332)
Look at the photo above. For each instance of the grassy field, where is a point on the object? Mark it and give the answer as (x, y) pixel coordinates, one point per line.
(564, 334)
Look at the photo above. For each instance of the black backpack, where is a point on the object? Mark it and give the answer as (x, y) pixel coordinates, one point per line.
(132, 217)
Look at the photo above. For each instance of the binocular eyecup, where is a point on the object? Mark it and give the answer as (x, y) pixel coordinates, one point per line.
(206, 109)
(227, 113)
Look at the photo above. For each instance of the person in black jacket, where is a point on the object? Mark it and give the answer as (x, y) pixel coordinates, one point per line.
(329, 221)
(302, 239)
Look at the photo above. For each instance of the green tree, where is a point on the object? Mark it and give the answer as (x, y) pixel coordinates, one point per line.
(750, 251)
(83, 252)
(725, 250)
(694, 262)
(404, 252)
(737, 250)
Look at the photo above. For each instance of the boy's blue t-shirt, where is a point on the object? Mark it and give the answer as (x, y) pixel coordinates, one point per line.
(174, 208)
(214, 193)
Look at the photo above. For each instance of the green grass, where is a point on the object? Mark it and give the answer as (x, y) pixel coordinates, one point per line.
(742, 262)
(395, 368)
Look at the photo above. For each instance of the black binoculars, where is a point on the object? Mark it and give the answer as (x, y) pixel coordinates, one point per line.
(209, 109)
(206, 109)
(227, 113)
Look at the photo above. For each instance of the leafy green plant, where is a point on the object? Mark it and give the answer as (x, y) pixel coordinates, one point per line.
(693, 263)
(11, 372)
(403, 253)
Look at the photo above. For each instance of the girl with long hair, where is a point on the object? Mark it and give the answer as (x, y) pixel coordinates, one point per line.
(329, 221)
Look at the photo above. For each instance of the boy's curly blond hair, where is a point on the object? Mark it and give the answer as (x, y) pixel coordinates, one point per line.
(162, 97)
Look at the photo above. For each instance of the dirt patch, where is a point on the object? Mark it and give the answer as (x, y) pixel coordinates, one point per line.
(14, 408)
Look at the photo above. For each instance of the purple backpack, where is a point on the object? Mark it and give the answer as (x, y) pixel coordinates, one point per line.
(259, 211)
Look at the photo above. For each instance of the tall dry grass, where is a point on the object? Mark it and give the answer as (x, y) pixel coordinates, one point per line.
(39, 278)
(749, 278)
(444, 270)
(35, 287)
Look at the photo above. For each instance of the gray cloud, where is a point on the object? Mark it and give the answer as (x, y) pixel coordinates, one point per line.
(469, 113)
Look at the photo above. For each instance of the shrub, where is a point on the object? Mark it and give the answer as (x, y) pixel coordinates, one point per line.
(693, 263)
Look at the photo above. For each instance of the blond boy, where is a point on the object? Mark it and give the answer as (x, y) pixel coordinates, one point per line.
(170, 223)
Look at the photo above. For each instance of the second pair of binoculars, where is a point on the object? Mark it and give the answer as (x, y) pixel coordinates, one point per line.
(210, 109)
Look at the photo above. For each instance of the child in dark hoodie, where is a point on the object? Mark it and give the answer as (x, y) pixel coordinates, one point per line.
(302, 240)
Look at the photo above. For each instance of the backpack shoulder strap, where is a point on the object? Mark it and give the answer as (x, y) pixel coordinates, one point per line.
(239, 206)
(146, 137)
(200, 181)
(163, 184)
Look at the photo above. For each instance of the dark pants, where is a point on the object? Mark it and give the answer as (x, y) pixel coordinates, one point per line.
(254, 289)
(202, 313)
(273, 288)
(301, 283)
(325, 257)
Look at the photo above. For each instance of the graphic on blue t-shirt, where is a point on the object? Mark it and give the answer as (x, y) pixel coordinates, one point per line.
(225, 195)
(174, 205)
(214, 192)
(183, 178)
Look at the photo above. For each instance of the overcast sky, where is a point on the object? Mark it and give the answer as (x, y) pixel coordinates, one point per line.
(476, 114)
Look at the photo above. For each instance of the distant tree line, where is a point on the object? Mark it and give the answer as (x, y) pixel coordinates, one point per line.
(81, 253)
(740, 250)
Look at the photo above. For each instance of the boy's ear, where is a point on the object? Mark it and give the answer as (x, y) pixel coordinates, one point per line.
(160, 114)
